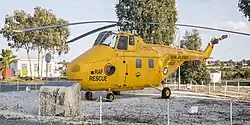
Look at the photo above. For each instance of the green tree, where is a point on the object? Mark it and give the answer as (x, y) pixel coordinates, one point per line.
(195, 71)
(248, 62)
(48, 40)
(6, 59)
(19, 19)
(247, 73)
(244, 7)
(144, 11)
(63, 66)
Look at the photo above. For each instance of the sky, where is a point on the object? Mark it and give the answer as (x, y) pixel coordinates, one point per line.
(213, 13)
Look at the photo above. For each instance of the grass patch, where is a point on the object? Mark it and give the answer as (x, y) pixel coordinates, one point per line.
(23, 80)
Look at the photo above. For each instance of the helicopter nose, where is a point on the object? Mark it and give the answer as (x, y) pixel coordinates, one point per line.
(77, 72)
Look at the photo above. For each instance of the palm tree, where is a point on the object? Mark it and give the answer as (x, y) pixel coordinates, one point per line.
(6, 59)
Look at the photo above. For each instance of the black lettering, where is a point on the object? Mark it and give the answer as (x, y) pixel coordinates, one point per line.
(173, 57)
(185, 57)
(178, 57)
(90, 78)
(98, 71)
(97, 78)
(102, 78)
(171, 63)
(105, 78)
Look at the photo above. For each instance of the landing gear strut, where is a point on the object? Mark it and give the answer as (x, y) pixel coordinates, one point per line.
(88, 95)
(165, 93)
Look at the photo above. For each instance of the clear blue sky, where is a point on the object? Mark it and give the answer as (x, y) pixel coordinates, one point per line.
(215, 13)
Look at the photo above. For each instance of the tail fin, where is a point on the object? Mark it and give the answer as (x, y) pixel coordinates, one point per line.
(211, 44)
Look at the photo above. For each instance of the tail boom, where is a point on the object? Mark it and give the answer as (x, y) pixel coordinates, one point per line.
(210, 46)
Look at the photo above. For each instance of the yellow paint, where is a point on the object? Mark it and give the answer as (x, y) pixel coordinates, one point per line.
(89, 67)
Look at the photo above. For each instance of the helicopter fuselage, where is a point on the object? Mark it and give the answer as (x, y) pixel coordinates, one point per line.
(124, 62)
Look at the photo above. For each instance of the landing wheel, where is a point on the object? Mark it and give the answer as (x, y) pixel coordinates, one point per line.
(166, 92)
(88, 95)
(110, 97)
(116, 92)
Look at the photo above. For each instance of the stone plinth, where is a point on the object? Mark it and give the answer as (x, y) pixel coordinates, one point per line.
(60, 99)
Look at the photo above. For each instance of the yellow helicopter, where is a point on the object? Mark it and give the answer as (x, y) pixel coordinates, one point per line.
(123, 61)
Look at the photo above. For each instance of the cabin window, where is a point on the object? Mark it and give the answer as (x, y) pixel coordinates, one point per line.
(138, 63)
(123, 43)
(150, 63)
(131, 40)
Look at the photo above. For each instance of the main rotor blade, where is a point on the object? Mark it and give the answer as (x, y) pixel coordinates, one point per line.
(216, 29)
(92, 31)
(61, 25)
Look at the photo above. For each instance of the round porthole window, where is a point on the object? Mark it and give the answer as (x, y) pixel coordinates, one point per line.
(109, 69)
(165, 70)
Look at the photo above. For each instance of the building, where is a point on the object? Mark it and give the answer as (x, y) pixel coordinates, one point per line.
(22, 68)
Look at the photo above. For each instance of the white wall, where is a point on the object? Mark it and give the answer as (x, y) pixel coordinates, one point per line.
(52, 73)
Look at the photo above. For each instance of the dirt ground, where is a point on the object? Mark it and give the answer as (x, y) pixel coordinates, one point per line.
(134, 107)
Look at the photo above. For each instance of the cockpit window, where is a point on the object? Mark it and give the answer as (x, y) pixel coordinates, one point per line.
(107, 39)
(123, 43)
(101, 37)
(110, 40)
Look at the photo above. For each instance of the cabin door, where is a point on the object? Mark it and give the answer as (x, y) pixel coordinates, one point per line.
(152, 71)
(122, 47)
(120, 79)
(134, 72)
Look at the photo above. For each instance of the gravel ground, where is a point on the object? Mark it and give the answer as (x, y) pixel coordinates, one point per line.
(135, 107)
(25, 122)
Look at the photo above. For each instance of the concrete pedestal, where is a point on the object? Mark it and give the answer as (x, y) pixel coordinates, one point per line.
(60, 99)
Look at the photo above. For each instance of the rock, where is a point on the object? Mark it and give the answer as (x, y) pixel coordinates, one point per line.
(60, 99)
(193, 109)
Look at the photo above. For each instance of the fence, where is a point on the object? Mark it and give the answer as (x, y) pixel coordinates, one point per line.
(232, 89)
(5, 87)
